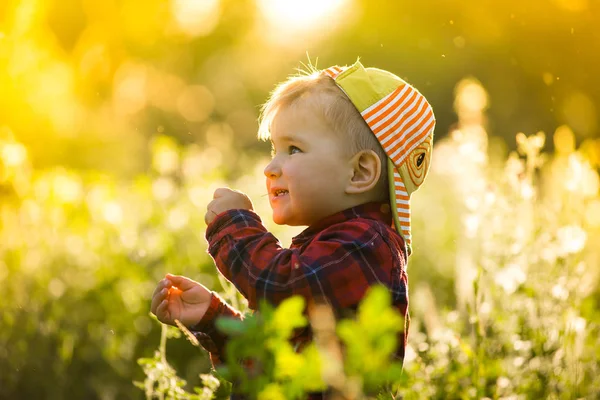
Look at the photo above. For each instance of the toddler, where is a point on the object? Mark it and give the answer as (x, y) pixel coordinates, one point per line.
(350, 145)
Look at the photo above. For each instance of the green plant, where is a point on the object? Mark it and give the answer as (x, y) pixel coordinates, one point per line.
(504, 294)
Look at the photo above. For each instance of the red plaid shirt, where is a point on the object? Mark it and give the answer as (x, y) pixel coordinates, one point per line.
(336, 261)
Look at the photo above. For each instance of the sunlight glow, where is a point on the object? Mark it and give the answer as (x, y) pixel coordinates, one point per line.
(303, 15)
(163, 188)
(571, 239)
(67, 188)
(13, 154)
(592, 214)
(165, 155)
(573, 5)
(564, 140)
(177, 219)
(113, 213)
(471, 100)
(196, 17)
(130, 88)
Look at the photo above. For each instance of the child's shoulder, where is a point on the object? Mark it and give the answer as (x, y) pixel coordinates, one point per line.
(363, 230)
(364, 239)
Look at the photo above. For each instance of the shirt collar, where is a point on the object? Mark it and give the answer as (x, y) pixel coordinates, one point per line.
(374, 210)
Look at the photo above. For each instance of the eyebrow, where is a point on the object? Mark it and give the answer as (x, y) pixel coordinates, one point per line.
(286, 138)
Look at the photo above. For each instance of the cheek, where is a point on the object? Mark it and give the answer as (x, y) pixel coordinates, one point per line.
(302, 181)
(294, 172)
(312, 177)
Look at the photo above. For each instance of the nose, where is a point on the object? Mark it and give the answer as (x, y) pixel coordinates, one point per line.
(273, 169)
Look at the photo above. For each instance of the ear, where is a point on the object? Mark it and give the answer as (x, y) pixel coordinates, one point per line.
(366, 169)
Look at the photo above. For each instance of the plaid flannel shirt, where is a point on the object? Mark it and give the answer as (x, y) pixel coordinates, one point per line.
(336, 261)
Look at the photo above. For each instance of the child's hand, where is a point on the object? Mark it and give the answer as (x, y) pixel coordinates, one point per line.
(178, 297)
(226, 199)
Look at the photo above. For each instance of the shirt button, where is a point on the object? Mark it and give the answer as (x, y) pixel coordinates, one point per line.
(296, 266)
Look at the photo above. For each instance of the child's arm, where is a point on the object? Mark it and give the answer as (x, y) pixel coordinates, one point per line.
(196, 307)
(338, 265)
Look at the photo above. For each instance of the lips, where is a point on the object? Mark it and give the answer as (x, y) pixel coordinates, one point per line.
(277, 193)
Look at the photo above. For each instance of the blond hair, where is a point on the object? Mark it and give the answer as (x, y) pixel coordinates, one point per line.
(320, 91)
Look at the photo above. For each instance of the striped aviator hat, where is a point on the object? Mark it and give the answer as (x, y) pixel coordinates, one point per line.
(403, 122)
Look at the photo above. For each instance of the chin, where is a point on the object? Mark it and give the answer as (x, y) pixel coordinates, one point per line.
(280, 220)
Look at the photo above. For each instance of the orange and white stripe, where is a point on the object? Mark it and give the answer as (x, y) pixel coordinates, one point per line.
(401, 121)
(334, 71)
(402, 207)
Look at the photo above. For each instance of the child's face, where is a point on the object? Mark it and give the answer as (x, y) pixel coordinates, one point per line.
(307, 177)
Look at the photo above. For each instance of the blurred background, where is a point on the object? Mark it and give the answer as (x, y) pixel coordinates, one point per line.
(119, 118)
(88, 84)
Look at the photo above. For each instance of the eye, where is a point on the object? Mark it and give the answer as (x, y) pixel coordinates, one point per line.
(420, 159)
(293, 150)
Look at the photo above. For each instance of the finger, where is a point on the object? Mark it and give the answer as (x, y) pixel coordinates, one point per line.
(220, 192)
(209, 217)
(182, 282)
(157, 299)
(210, 205)
(160, 285)
(162, 311)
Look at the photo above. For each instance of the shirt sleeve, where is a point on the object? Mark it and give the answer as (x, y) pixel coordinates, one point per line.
(206, 332)
(337, 266)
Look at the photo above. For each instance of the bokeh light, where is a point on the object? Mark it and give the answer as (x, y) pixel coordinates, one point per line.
(196, 17)
(13, 154)
(291, 20)
(580, 113)
(573, 5)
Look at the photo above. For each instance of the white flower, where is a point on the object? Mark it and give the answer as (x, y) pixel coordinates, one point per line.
(518, 361)
(560, 292)
(571, 239)
(576, 324)
(503, 382)
(471, 225)
(410, 354)
(522, 345)
(510, 278)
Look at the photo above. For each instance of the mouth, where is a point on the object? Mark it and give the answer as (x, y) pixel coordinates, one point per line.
(279, 192)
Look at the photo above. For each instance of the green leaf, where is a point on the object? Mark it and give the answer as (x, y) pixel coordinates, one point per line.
(231, 326)
(289, 316)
